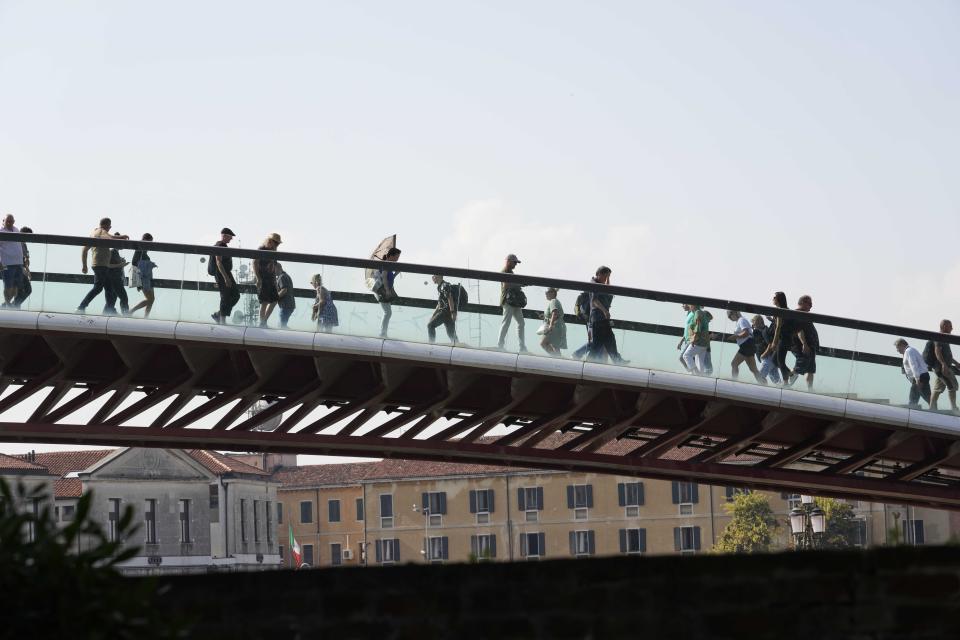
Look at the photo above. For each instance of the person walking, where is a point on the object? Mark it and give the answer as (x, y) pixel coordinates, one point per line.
(26, 287)
(763, 335)
(116, 290)
(324, 310)
(939, 357)
(603, 342)
(512, 302)
(445, 313)
(554, 329)
(805, 344)
(380, 281)
(221, 268)
(143, 266)
(697, 338)
(746, 347)
(100, 261)
(782, 338)
(12, 259)
(264, 269)
(286, 302)
(916, 371)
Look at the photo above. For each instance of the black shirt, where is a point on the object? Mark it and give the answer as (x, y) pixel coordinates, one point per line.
(226, 261)
(138, 255)
(263, 267)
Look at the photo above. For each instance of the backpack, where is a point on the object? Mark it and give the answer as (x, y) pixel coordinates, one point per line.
(930, 355)
(582, 306)
(459, 294)
(211, 265)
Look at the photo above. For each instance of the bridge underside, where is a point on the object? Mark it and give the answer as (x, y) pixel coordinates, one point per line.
(369, 397)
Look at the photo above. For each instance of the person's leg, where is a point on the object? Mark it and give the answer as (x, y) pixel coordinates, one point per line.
(385, 322)
(435, 321)
(24, 289)
(504, 325)
(270, 308)
(735, 365)
(689, 357)
(707, 361)
(923, 385)
(11, 281)
(121, 292)
(785, 371)
(450, 326)
(914, 398)
(99, 278)
(938, 388)
(521, 327)
(285, 317)
(951, 381)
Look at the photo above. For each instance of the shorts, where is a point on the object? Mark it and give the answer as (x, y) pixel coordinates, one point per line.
(267, 291)
(12, 276)
(748, 349)
(946, 380)
(146, 281)
(805, 363)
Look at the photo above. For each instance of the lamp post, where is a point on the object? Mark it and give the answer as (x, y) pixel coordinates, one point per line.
(807, 522)
(425, 552)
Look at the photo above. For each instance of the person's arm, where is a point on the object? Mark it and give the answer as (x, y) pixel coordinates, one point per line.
(939, 353)
(554, 318)
(802, 335)
(285, 290)
(226, 275)
(83, 259)
(451, 305)
(775, 340)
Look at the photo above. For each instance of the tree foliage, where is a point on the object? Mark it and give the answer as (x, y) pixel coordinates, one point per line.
(841, 526)
(54, 588)
(752, 528)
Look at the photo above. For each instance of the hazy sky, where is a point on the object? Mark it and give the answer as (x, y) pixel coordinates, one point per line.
(727, 149)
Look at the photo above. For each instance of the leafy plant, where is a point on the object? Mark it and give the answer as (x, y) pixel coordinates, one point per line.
(752, 528)
(53, 586)
(841, 525)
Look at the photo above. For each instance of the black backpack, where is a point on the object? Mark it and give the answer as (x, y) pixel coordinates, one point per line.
(930, 355)
(459, 294)
(581, 307)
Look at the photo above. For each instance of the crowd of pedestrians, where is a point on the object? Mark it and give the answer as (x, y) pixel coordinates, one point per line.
(762, 347)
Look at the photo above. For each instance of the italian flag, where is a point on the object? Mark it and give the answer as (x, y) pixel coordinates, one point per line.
(294, 549)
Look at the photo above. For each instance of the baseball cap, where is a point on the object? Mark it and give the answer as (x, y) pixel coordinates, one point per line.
(513, 258)
(228, 232)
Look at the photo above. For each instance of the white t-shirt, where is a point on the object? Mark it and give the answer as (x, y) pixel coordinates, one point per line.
(743, 323)
(11, 252)
(913, 363)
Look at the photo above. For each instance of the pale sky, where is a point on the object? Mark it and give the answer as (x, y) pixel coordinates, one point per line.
(724, 149)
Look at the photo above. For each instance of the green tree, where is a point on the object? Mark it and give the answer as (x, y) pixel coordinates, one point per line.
(841, 531)
(51, 589)
(753, 525)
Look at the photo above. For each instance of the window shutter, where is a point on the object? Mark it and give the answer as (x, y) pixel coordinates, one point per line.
(640, 497)
(473, 502)
(542, 544)
(784, 495)
(493, 546)
(918, 537)
(675, 488)
(445, 544)
(474, 546)
(696, 538)
(694, 496)
(622, 494)
(729, 491)
(396, 549)
(590, 496)
(676, 538)
(490, 494)
(520, 503)
(539, 498)
(569, 496)
(443, 503)
(623, 540)
(591, 542)
(573, 543)
(523, 544)
(643, 540)
(425, 504)
(377, 546)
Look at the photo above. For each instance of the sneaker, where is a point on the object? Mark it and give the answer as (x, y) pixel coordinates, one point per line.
(81, 310)
(215, 316)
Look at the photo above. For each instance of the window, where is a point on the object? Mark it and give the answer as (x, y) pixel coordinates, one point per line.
(436, 504)
(633, 540)
(256, 521)
(481, 503)
(306, 512)
(113, 517)
(67, 512)
(913, 531)
(307, 557)
(32, 524)
(387, 551)
(483, 547)
(243, 520)
(686, 539)
(860, 535)
(532, 545)
(269, 522)
(56, 514)
(336, 557)
(630, 496)
(150, 519)
(686, 495)
(530, 500)
(359, 509)
(582, 543)
(214, 496)
(580, 498)
(280, 551)
(793, 500)
(185, 522)
(279, 513)
(438, 549)
(735, 491)
(333, 510)
(386, 511)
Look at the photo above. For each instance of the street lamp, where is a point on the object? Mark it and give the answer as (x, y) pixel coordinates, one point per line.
(807, 523)
(426, 522)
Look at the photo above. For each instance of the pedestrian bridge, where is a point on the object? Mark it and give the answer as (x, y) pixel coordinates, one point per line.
(180, 380)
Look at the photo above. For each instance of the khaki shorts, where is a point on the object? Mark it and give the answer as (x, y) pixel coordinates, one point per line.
(945, 380)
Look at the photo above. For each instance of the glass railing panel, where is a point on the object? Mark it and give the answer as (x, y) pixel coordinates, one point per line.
(877, 374)
(829, 371)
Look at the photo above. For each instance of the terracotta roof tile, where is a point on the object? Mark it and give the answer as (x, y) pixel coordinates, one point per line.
(218, 463)
(63, 462)
(15, 463)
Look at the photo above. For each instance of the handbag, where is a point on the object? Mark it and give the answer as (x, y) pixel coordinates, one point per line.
(543, 330)
(136, 279)
(516, 297)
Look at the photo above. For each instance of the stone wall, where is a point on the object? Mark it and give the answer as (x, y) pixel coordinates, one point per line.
(884, 594)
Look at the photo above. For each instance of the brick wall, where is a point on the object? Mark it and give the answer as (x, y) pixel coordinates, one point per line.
(880, 594)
